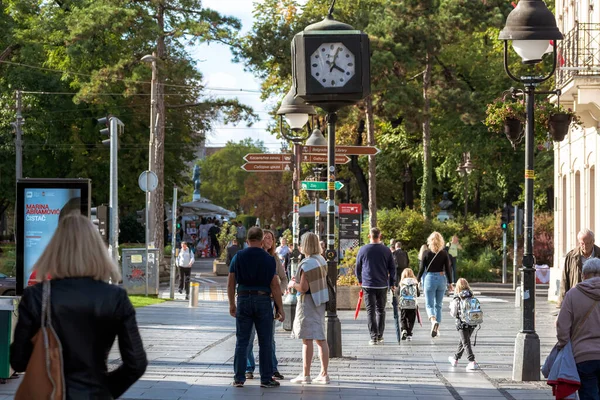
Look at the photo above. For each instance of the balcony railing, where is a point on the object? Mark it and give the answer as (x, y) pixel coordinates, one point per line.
(579, 53)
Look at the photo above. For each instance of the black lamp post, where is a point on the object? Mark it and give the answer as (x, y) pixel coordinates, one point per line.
(464, 170)
(296, 112)
(530, 26)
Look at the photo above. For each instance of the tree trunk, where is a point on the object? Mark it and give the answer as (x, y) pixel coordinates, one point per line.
(477, 197)
(372, 165)
(355, 168)
(159, 149)
(426, 196)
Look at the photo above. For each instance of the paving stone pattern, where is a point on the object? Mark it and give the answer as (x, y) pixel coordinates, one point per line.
(191, 356)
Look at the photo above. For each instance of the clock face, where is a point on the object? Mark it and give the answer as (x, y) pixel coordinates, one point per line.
(332, 65)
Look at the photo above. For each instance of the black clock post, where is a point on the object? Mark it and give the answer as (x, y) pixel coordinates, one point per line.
(331, 70)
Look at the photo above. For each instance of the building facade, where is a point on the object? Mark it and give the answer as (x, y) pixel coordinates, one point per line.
(577, 157)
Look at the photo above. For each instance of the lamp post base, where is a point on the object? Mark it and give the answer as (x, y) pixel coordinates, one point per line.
(289, 308)
(333, 333)
(526, 362)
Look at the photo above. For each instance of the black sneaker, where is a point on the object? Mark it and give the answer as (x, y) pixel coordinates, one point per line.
(237, 384)
(270, 384)
(404, 335)
(180, 291)
(249, 375)
(277, 375)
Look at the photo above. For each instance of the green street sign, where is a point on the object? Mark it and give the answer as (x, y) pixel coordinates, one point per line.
(316, 185)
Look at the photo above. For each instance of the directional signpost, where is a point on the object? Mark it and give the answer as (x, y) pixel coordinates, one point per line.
(268, 158)
(322, 159)
(266, 167)
(316, 185)
(342, 150)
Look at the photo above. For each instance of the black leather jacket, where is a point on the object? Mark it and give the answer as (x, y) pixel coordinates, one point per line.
(87, 315)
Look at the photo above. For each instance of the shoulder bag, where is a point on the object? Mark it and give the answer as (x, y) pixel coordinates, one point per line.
(44, 377)
(422, 282)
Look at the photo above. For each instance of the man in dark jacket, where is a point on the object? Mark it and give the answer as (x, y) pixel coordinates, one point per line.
(574, 260)
(215, 247)
(232, 251)
(401, 260)
(376, 273)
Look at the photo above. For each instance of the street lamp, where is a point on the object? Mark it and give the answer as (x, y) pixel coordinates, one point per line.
(150, 204)
(530, 26)
(296, 112)
(464, 170)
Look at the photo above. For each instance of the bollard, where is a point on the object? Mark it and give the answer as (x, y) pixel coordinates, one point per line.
(518, 297)
(194, 293)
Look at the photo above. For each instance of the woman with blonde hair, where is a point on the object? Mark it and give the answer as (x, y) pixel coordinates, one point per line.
(309, 324)
(434, 276)
(269, 247)
(83, 305)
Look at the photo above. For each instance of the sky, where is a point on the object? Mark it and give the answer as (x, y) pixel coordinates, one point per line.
(215, 63)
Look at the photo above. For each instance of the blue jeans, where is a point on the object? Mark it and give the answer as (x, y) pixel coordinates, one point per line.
(253, 311)
(251, 364)
(435, 287)
(589, 374)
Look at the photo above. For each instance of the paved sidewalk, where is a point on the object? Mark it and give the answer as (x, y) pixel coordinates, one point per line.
(191, 356)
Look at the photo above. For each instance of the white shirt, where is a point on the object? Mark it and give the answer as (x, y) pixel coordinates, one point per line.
(185, 258)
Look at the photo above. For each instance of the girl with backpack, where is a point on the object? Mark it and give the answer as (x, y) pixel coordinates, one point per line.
(462, 293)
(408, 293)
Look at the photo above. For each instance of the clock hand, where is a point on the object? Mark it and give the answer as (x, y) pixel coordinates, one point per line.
(334, 58)
(338, 68)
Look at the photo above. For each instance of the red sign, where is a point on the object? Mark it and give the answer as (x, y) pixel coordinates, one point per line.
(267, 158)
(343, 150)
(346, 208)
(265, 167)
(320, 159)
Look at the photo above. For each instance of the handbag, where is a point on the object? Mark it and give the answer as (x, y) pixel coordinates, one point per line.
(44, 377)
(422, 281)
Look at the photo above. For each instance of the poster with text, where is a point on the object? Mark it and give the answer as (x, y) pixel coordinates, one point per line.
(44, 207)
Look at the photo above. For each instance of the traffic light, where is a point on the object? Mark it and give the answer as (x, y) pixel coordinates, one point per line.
(105, 131)
(99, 217)
(141, 217)
(507, 216)
(504, 219)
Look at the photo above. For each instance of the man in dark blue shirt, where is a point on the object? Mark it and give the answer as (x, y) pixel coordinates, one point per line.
(253, 270)
(376, 272)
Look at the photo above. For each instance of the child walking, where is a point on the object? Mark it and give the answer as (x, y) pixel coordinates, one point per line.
(461, 292)
(409, 291)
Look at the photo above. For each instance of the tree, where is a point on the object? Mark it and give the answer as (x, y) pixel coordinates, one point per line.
(223, 179)
(268, 196)
(85, 58)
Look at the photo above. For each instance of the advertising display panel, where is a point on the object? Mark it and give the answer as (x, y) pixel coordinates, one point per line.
(41, 203)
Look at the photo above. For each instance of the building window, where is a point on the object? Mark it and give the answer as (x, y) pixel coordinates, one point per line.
(577, 202)
(564, 215)
(593, 199)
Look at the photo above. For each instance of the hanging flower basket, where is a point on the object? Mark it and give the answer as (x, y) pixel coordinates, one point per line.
(508, 117)
(513, 128)
(558, 126)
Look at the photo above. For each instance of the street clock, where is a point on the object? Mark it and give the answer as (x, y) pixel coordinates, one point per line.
(331, 64)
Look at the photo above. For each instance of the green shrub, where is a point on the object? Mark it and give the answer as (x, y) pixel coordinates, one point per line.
(130, 231)
(227, 234)
(8, 261)
(167, 251)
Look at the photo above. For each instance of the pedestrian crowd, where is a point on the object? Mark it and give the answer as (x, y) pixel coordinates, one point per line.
(75, 298)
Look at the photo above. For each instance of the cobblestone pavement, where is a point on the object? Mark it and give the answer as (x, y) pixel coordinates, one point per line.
(191, 356)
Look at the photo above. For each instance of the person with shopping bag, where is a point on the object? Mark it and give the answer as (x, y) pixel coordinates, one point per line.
(578, 325)
(67, 325)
